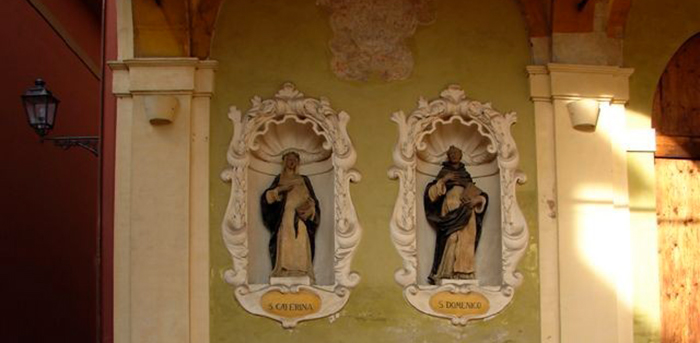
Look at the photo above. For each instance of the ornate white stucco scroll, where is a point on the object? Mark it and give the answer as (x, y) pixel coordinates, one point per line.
(370, 36)
(262, 134)
(420, 142)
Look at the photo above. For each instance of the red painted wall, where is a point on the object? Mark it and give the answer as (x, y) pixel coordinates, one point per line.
(48, 197)
(109, 119)
(82, 20)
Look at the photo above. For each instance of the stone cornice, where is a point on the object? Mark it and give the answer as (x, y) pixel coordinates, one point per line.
(163, 76)
(572, 82)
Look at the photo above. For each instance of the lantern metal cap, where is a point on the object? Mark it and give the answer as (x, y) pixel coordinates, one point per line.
(39, 89)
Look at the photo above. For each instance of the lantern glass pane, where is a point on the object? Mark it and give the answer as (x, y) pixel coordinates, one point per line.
(40, 113)
(29, 108)
(40, 107)
(51, 113)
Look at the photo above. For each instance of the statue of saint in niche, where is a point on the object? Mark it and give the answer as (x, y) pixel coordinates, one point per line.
(291, 212)
(455, 208)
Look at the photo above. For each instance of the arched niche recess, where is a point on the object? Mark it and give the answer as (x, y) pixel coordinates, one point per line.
(261, 136)
(491, 156)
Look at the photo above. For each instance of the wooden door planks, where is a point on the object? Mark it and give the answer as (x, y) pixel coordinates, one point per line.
(678, 213)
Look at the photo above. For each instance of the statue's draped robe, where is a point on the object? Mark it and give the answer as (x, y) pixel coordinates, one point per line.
(457, 225)
(292, 225)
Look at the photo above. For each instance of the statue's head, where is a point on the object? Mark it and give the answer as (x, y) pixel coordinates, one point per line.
(290, 160)
(454, 154)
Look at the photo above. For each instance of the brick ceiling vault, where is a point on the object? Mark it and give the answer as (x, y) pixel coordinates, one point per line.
(167, 28)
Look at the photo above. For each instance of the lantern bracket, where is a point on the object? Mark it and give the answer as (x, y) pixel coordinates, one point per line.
(89, 143)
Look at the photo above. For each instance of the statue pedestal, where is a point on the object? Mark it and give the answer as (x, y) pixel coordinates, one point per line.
(290, 281)
(458, 282)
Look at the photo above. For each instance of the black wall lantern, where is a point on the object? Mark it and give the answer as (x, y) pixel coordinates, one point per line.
(41, 106)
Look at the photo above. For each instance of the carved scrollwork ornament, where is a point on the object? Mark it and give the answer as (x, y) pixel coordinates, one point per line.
(412, 149)
(253, 140)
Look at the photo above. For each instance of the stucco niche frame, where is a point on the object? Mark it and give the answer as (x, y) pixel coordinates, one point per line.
(416, 135)
(260, 136)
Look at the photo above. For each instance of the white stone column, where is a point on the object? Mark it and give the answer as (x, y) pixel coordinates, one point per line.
(161, 243)
(586, 270)
(546, 198)
(641, 145)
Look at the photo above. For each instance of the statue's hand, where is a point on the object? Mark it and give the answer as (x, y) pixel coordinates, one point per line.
(309, 203)
(284, 189)
(464, 199)
(448, 177)
(478, 203)
(306, 209)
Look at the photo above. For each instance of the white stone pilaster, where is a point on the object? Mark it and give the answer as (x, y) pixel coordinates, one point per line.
(585, 258)
(546, 197)
(161, 291)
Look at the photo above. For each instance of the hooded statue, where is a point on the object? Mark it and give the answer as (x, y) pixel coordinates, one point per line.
(454, 208)
(291, 213)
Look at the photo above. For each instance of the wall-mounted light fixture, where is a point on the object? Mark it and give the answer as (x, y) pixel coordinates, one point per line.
(584, 114)
(40, 107)
(160, 109)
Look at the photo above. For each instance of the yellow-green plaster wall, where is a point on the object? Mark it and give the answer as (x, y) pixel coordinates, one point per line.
(481, 45)
(654, 32)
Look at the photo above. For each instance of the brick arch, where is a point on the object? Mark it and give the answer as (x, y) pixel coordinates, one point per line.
(536, 14)
(166, 28)
(545, 17)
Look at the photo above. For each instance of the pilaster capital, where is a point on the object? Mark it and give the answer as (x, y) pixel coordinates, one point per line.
(163, 76)
(572, 82)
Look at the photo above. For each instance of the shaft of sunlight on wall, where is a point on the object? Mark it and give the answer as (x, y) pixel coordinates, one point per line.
(600, 210)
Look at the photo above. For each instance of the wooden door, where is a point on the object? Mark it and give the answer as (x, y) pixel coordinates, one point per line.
(676, 118)
(678, 208)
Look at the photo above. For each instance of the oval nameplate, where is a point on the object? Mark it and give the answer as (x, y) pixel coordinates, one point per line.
(459, 304)
(290, 305)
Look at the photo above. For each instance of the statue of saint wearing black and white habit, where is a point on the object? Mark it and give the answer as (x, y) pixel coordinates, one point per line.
(455, 208)
(291, 212)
